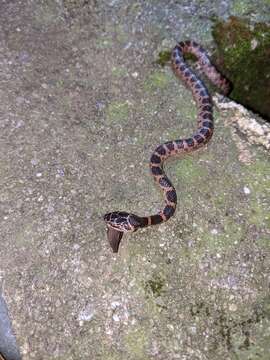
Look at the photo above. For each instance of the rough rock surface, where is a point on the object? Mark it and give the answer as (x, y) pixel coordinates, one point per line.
(83, 104)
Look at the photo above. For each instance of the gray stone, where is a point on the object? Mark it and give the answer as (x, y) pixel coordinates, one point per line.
(83, 105)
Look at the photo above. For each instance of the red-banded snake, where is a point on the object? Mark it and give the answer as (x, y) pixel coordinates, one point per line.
(119, 222)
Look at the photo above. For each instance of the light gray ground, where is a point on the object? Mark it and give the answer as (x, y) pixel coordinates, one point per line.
(83, 104)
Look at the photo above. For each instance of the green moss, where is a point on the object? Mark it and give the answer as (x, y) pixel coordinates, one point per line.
(230, 236)
(243, 56)
(241, 7)
(188, 170)
(154, 286)
(219, 200)
(136, 342)
(255, 344)
(245, 333)
(190, 57)
(113, 33)
(258, 214)
(118, 111)
(104, 43)
(119, 72)
(164, 57)
(257, 179)
(121, 35)
(46, 14)
(157, 80)
(258, 176)
(135, 8)
(264, 242)
(186, 114)
(110, 356)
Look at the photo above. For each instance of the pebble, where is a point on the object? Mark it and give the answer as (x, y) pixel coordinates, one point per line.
(254, 44)
(50, 209)
(135, 75)
(116, 318)
(87, 313)
(232, 307)
(115, 304)
(34, 162)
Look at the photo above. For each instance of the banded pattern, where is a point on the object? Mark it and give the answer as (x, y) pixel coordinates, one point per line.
(119, 222)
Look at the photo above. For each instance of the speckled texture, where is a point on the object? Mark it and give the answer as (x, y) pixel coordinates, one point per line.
(243, 52)
(193, 288)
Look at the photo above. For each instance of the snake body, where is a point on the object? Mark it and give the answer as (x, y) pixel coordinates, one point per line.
(119, 222)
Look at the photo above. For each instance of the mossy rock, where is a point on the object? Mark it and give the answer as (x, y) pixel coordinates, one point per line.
(243, 53)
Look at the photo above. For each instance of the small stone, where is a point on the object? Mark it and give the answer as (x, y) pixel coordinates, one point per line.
(20, 100)
(25, 348)
(50, 208)
(254, 44)
(232, 307)
(115, 304)
(58, 303)
(100, 105)
(34, 162)
(87, 313)
(24, 57)
(19, 124)
(135, 75)
(193, 329)
(76, 246)
(61, 172)
(38, 174)
(116, 318)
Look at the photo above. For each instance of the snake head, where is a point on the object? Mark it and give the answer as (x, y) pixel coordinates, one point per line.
(118, 223)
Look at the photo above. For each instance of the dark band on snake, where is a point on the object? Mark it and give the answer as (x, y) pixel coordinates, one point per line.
(119, 222)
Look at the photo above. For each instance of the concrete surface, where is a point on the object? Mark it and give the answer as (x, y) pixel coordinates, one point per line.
(83, 104)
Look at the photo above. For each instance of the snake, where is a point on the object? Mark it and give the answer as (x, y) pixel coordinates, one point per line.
(120, 222)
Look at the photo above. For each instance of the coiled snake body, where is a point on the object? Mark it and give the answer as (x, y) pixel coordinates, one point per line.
(119, 222)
